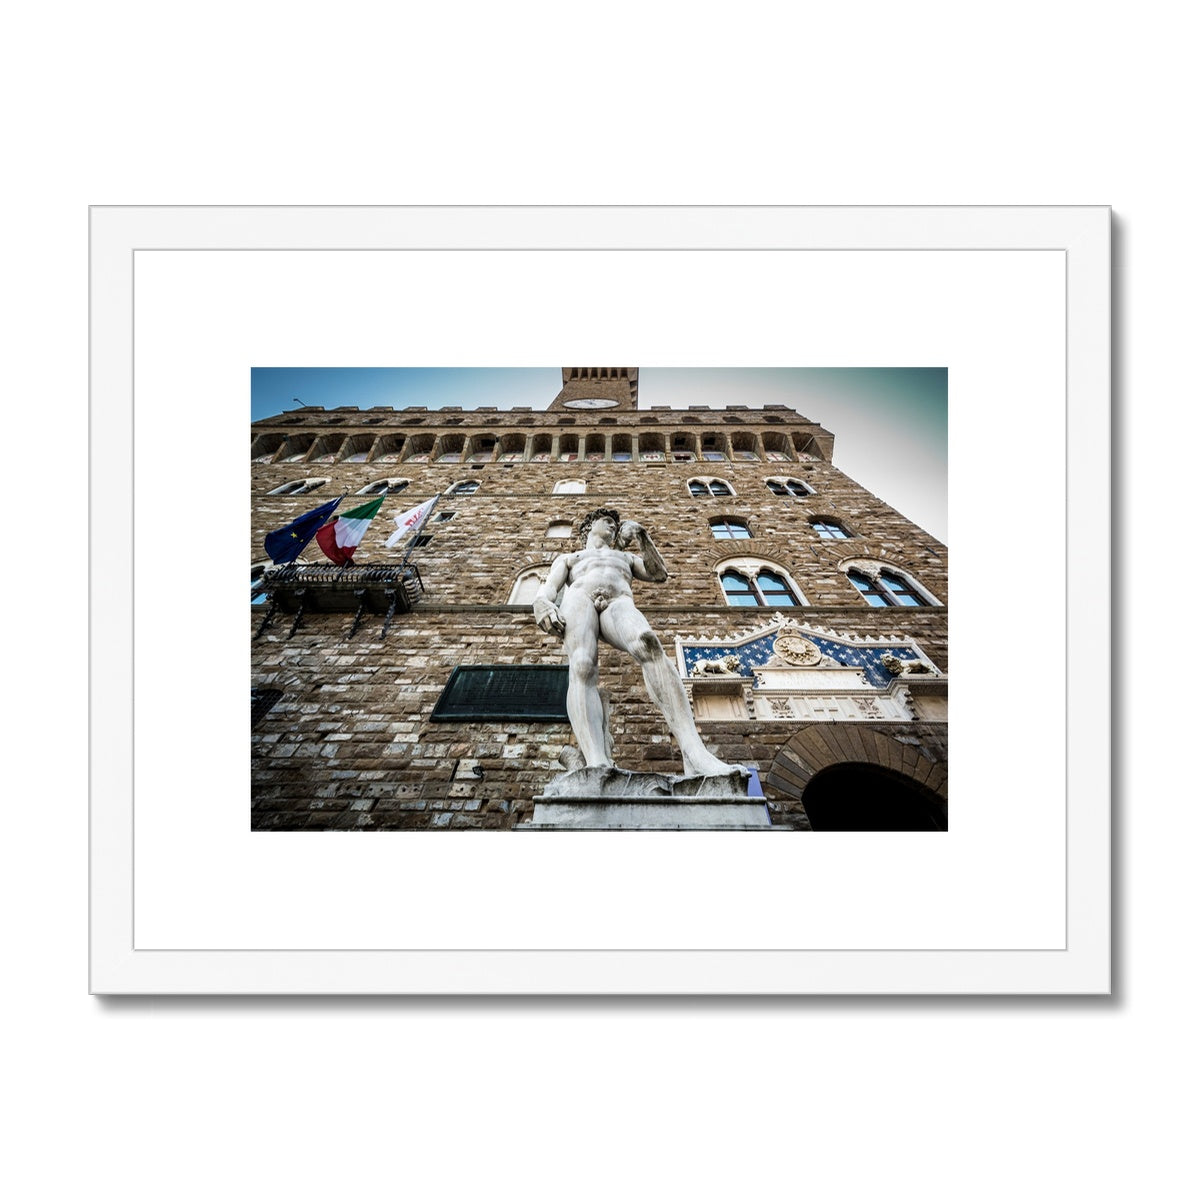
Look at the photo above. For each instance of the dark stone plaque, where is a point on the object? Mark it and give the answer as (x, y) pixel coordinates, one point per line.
(504, 693)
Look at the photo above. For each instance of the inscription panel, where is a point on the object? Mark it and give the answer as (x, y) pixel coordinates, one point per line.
(504, 693)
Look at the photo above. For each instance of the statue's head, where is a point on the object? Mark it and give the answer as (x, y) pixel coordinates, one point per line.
(588, 521)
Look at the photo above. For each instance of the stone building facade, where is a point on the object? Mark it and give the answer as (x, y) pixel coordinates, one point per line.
(808, 619)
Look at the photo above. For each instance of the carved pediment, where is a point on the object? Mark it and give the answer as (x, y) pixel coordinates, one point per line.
(800, 647)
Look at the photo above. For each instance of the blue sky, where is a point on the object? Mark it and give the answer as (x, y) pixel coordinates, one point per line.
(889, 424)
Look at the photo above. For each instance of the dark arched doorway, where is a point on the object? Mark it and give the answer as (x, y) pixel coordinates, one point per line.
(862, 797)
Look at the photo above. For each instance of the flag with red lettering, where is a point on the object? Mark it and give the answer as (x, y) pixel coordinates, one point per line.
(407, 522)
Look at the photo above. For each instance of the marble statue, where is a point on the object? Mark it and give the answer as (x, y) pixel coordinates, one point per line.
(588, 597)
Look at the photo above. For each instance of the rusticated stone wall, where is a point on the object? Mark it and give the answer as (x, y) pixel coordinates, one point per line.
(348, 744)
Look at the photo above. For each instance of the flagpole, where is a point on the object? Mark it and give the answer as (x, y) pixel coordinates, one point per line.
(412, 542)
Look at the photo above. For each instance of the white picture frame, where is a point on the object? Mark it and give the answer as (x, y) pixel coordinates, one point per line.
(1040, 662)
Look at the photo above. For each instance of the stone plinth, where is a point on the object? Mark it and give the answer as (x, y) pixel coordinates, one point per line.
(610, 798)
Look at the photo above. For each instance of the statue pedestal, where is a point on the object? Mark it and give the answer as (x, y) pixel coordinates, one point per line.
(610, 798)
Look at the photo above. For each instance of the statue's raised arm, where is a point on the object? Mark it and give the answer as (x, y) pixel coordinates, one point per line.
(649, 566)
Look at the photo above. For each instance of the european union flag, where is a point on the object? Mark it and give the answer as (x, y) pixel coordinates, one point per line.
(284, 545)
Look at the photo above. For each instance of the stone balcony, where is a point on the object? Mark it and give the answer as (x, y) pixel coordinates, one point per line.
(302, 589)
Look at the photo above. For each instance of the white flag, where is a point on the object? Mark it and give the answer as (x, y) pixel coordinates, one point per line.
(407, 522)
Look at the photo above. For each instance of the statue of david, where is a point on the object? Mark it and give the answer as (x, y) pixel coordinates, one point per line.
(596, 603)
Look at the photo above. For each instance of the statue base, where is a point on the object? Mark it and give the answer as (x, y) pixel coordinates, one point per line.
(610, 798)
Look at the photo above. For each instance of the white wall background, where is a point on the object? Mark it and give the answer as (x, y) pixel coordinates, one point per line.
(267, 103)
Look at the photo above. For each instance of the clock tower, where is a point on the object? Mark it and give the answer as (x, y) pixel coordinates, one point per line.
(598, 389)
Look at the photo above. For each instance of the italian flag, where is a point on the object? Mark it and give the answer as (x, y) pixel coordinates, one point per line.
(339, 539)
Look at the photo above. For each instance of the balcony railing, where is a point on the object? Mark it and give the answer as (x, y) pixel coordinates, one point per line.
(299, 588)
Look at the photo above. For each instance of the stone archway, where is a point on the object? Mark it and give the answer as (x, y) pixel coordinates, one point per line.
(860, 798)
(863, 777)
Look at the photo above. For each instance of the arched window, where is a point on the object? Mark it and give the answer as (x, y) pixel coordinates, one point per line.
(755, 583)
(383, 487)
(789, 487)
(826, 527)
(739, 589)
(728, 527)
(298, 487)
(774, 590)
(885, 590)
(709, 487)
(467, 488)
(899, 590)
(526, 585)
(886, 587)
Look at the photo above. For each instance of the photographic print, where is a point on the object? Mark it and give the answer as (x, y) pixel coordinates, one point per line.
(599, 598)
(706, 598)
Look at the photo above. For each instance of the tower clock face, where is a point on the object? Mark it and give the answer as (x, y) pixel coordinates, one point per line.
(591, 402)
